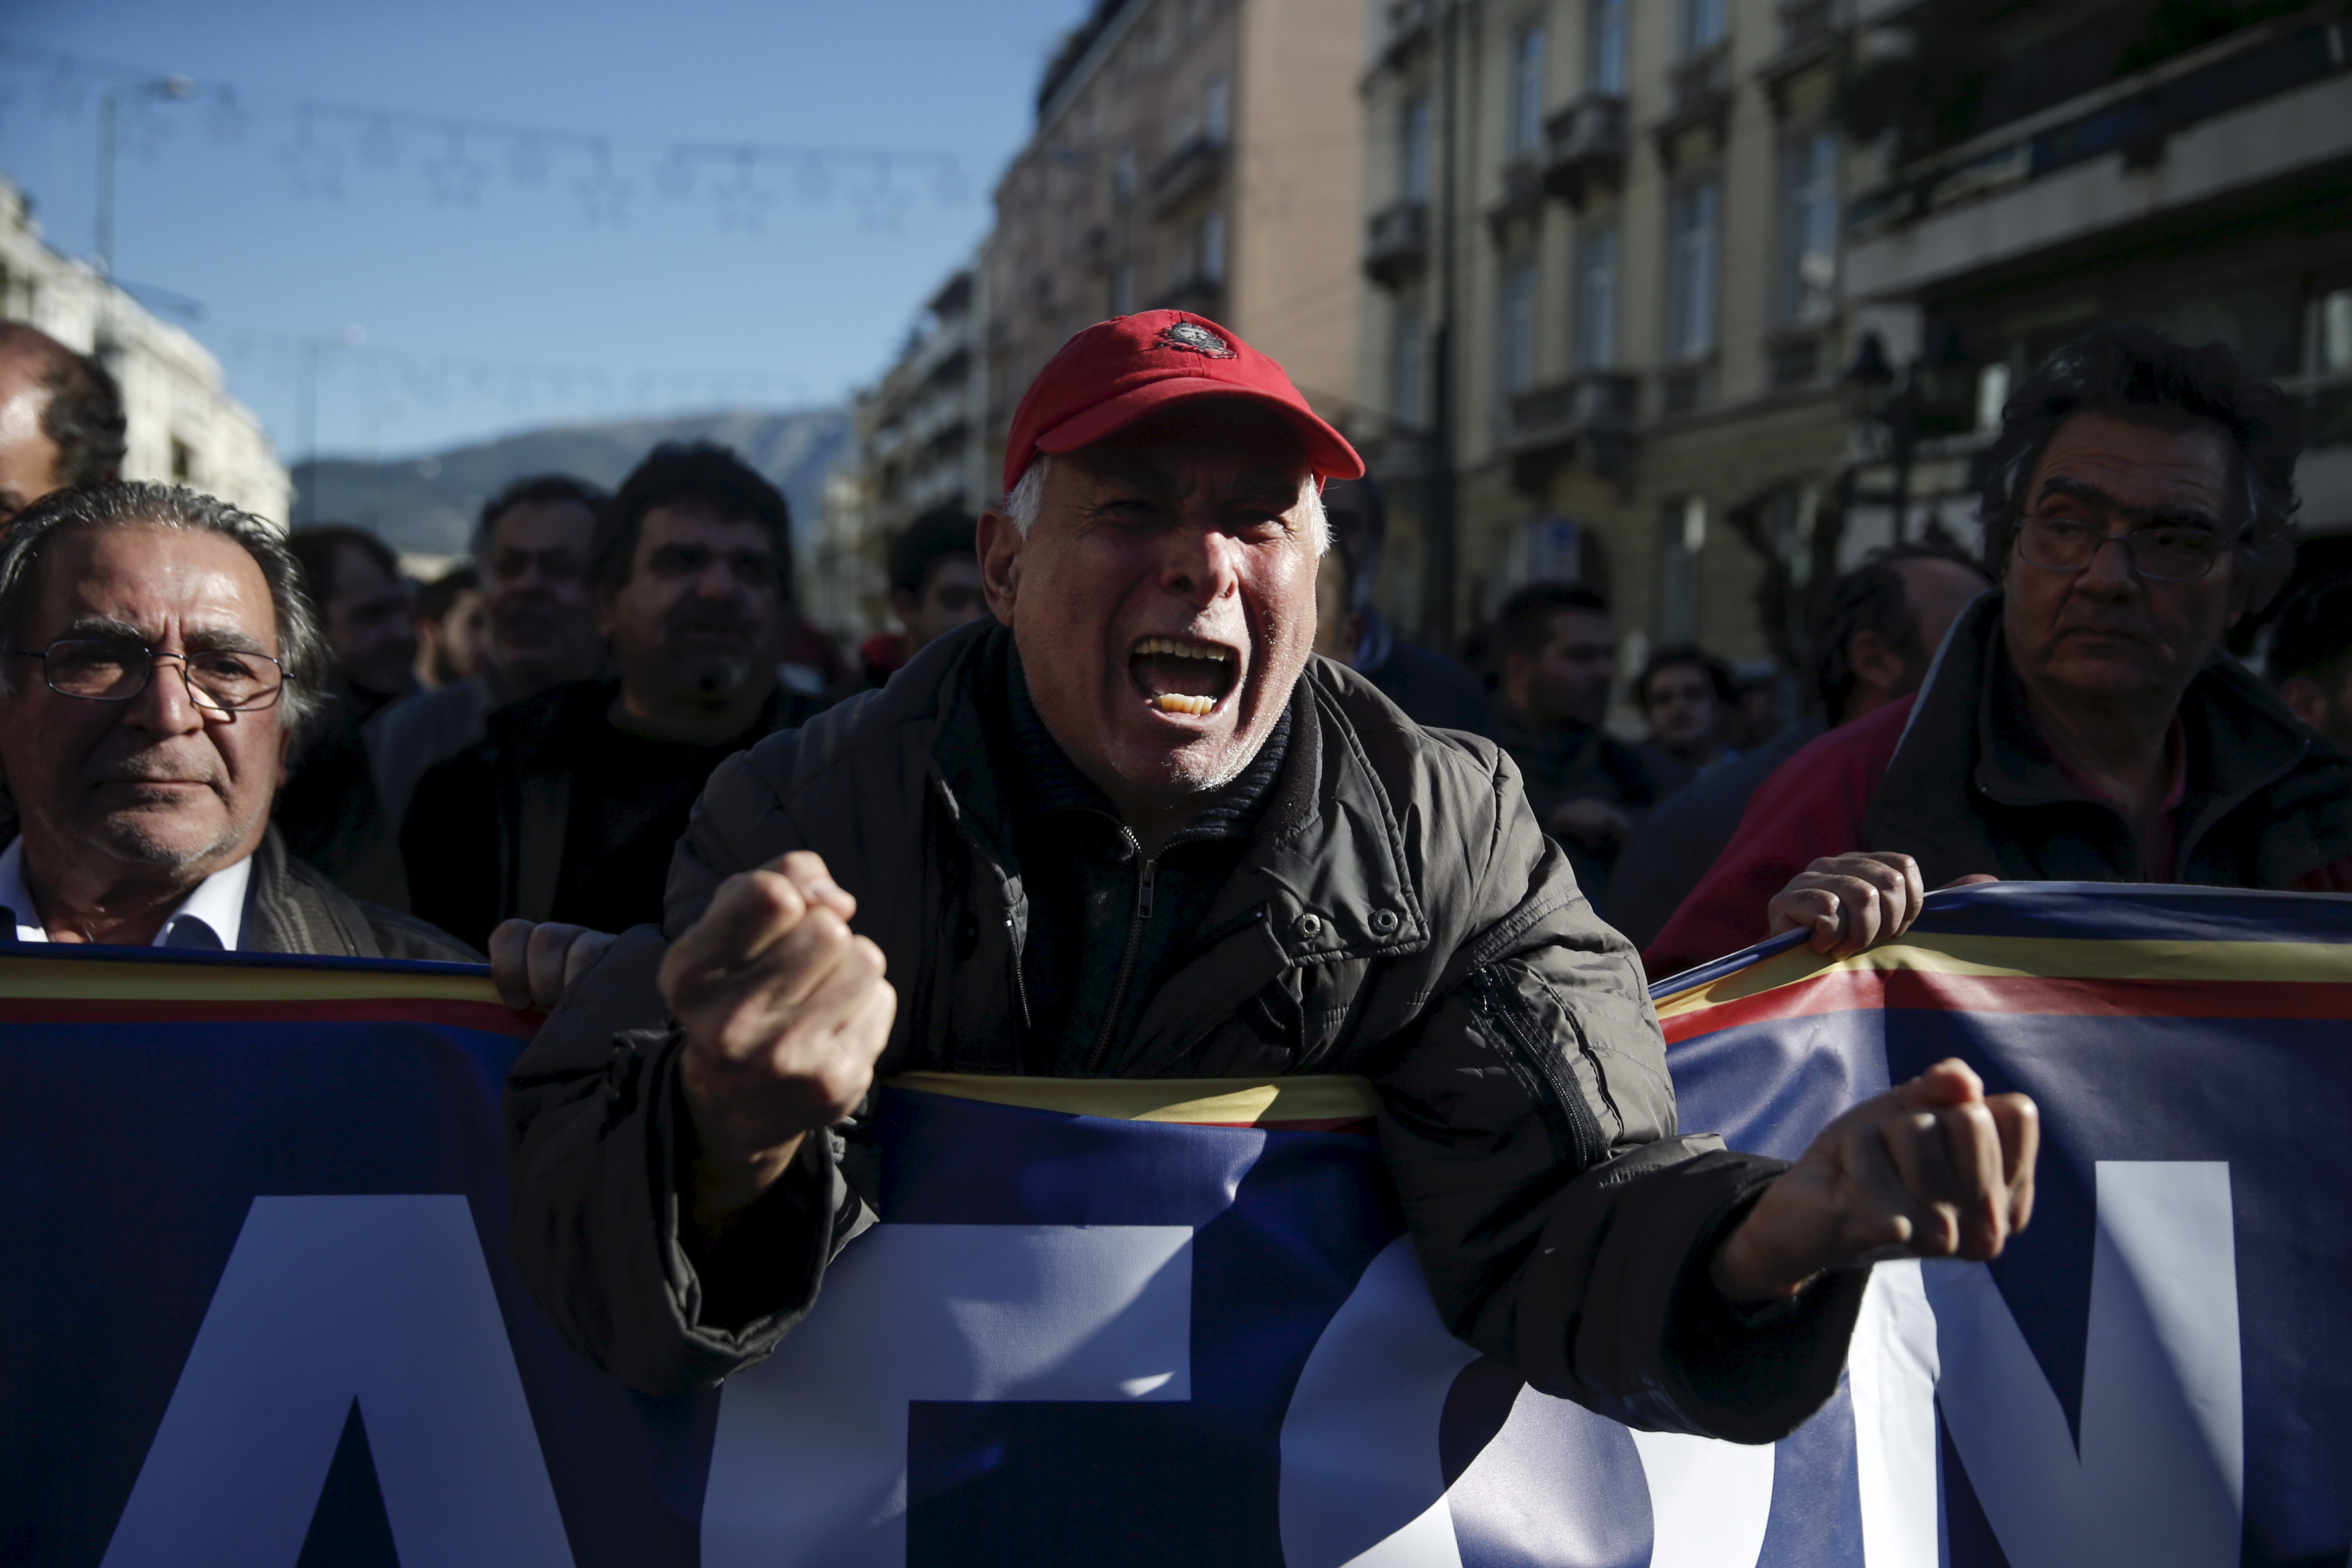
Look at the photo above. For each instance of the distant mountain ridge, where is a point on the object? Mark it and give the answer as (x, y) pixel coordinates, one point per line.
(427, 506)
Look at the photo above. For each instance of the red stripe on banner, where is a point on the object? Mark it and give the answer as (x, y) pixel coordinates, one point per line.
(483, 1017)
(1847, 990)
(1303, 1124)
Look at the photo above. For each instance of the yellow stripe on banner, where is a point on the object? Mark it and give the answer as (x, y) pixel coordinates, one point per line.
(68, 980)
(1226, 1101)
(2058, 958)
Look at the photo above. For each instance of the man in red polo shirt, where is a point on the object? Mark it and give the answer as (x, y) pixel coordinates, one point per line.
(2082, 722)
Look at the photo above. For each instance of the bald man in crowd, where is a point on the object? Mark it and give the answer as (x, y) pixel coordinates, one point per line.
(60, 419)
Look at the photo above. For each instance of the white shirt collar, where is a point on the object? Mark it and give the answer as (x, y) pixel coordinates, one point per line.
(211, 916)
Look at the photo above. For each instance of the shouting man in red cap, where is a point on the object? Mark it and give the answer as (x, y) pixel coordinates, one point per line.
(1132, 828)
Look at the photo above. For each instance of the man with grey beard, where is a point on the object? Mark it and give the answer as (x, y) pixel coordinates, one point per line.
(568, 807)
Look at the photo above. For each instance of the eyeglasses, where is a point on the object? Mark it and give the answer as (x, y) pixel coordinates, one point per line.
(2162, 553)
(110, 669)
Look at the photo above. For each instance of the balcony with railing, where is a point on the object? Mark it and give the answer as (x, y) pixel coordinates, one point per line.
(1520, 201)
(1184, 172)
(1702, 80)
(1584, 145)
(1589, 417)
(1396, 244)
(1408, 28)
(2270, 102)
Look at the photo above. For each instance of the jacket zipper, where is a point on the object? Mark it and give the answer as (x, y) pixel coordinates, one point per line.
(1143, 875)
(1020, 981)
(1582, 1133)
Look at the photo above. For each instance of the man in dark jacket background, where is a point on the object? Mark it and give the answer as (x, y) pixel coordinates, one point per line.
(2083, 722)
(1435, 691)
(1554, 660)
(533, 544)
(568, 807)
(934, 588)
(1134, 830)
(329, 812)
(1884, 621)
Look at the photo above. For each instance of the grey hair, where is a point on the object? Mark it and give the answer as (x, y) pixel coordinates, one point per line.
(1028, 499)
(301, 647)
(2125, 370)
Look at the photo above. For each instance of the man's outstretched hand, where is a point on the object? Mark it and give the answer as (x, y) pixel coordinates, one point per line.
(1933, 1168)
(785, 1012)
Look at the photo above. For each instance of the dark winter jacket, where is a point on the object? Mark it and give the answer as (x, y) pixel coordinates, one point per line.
(1396, 913)
(1960, 779)
(554, 814)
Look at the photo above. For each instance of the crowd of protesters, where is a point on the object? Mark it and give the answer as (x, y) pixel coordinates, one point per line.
(1147, 784)
(525, 735)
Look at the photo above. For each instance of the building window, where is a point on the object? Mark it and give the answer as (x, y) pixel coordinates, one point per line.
(1808, 226)
(2332, 333)
(1407, 359)
(1704, 24)
(1691, 251)
(1515, 349)
(1604, 61)
(1217, 110)
(1212, 245)
(1122, 289)
(1525, 133)
(1122, 174)
(1596, 297)
(1413, 152)
(1682, 536)
(184, 461)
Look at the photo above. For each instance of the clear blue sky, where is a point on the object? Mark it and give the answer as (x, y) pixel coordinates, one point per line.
(797, 305)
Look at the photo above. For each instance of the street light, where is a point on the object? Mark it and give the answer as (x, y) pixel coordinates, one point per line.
(344, 337)
(164, 88)
(1897, 406)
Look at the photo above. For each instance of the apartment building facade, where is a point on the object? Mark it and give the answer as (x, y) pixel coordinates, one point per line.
(920, 442)
(2207, 193)
(182, 427)
(1203, 155)
(1604, 241)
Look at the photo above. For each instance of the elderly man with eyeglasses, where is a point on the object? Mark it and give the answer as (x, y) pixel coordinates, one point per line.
(160, 661)
(2082, 722)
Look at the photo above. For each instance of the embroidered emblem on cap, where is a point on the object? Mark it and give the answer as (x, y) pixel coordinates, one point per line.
(1196, 337)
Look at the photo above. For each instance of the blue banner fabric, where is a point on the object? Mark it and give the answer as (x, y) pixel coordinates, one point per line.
(260, 1308)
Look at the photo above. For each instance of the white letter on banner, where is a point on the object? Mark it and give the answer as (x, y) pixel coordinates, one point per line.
(1710, 1501)
(1362, 1485)
(384, 1298)
(1362, 1482)
(2160, 1477)
(1891, 1377)
(809, 1465)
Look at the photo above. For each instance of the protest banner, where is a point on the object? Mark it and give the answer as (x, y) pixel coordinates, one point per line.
(259, 1309)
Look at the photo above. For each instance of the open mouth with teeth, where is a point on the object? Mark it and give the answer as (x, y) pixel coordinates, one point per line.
(1177, 675)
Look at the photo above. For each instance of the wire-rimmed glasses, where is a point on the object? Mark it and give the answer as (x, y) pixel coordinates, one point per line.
(2163, 553)
(116, 669)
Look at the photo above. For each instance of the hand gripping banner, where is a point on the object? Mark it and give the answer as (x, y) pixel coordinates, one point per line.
(258, 1309)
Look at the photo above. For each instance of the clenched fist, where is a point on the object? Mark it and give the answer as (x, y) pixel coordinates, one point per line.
(785, 1012)
(1933, 1168)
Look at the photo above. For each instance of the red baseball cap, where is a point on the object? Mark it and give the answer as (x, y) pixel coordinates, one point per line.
(1116, 372)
